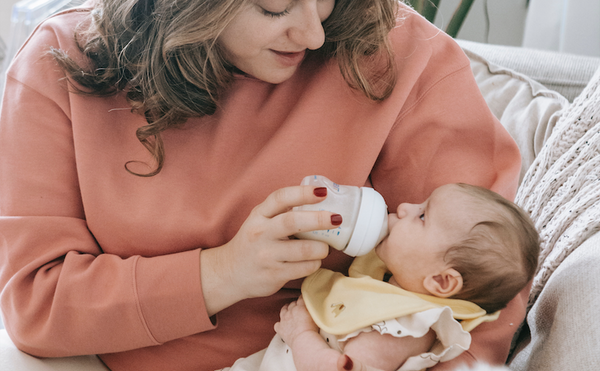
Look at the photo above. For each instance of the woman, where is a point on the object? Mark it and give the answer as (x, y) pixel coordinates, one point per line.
(146, 198)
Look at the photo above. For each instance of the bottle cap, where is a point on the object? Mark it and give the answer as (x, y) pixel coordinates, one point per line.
(371, 225)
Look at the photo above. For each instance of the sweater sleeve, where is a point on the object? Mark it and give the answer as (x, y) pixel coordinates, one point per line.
(447, 134)
(61, 294)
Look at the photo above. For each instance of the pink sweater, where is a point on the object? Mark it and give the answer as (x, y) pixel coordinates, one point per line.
(94, 260)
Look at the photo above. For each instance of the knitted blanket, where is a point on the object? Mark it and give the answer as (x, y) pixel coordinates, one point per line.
(561, 189)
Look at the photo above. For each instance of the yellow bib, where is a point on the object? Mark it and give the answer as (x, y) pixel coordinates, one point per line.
(341, 305)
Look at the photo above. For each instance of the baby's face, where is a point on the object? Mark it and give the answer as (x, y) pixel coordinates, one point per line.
(420, 234)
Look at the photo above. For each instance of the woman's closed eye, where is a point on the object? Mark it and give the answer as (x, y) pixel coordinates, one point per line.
(275, 14)
(275, 8)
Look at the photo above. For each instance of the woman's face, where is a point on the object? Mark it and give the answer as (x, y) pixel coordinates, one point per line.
(268, 38)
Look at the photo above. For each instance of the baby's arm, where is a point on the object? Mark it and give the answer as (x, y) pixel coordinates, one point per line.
(311, 352)
(301, 334)
(387, 352)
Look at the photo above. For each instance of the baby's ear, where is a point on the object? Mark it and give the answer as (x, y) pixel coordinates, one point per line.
(445, 284)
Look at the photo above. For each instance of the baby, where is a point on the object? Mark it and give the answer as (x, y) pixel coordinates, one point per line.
(461, 255)
(463, 242)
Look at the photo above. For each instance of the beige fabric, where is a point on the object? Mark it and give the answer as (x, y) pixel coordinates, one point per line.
(564, 73)
(564, 326)
(562, 193)
(525, 108)
(561, 190)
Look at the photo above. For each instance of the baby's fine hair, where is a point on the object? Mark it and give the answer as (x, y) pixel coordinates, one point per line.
(499, 256)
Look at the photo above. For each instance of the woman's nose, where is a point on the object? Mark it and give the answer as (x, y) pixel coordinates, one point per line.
(308, 31)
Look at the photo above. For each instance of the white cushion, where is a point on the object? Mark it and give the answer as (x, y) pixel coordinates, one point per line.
(565, 73)
(527, 109)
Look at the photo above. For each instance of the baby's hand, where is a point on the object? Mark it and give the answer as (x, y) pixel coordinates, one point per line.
(294, 320)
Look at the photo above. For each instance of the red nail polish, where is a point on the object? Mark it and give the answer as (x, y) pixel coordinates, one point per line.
(320, 191)
(336, 219)
(349, 364)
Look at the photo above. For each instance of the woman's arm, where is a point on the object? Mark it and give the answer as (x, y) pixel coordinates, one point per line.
(60, 287)
(65, 290)
(61, 293)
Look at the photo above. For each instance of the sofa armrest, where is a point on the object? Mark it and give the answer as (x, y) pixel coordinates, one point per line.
(565, 73)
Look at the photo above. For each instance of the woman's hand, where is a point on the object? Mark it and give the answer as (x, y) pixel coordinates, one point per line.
(261, 257)
(294, 321)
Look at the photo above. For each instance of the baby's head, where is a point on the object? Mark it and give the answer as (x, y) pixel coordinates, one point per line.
(463, 242)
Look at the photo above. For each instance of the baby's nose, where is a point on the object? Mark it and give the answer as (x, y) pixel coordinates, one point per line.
(405, 209)
(402, 211)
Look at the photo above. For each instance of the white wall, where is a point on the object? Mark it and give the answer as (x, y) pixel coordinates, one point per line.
(506, 20)
(5, 7)
(568, 26)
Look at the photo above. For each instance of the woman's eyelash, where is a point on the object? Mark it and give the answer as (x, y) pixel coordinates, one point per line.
(275, 15)
(422, 217)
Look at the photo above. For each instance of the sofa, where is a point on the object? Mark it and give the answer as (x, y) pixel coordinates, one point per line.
(527, 90)
(560, 331)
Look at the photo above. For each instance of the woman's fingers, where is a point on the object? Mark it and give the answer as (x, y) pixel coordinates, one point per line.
(286, 198)
(261, 258)
(283, 222)
(296, 251)
(293, 222)
(294, 271)
(300, 258)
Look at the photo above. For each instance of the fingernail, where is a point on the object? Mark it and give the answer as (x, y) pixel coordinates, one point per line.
(336, 219)
(320, 191)
(349, 364)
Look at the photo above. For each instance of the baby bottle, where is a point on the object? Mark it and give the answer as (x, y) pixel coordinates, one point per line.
(364, 216)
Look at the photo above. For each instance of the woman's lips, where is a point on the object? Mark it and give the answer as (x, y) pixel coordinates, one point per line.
(289, 58)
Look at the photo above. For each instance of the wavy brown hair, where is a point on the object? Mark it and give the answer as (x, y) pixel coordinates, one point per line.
(165, 55)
